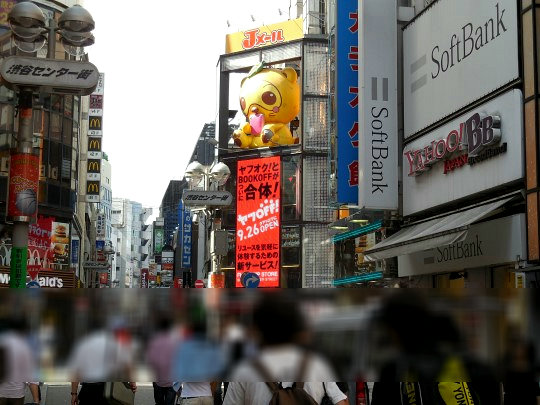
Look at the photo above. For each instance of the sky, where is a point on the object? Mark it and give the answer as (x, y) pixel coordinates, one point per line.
(160, 64)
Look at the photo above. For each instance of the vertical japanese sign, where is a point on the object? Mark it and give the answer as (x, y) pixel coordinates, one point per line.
(144, 278)
(158, 240)
(347, 101)
(258, 219)
(95, 134)
(186, 239)
(377, 105)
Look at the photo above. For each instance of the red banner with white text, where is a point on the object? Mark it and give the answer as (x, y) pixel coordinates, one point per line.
(258, 219)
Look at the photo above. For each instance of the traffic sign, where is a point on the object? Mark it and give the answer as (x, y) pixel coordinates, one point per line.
(199, 284)
(33, 284)
(250, 280)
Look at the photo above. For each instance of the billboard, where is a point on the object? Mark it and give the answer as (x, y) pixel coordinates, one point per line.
(60, 244)
(23, 186)
(452, 57)
(477, 151)
(264, 36)
(95, 134)
(377, 105)
(258, 198)
(347, 101)
(158, 240)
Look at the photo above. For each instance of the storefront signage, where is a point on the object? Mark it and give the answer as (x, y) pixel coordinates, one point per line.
(490, 243)
(95, 133)
(452, 57)
(263, 36)
(60, 243)
(478, 151)
(258, 219)
(377, 105)
(473, 139)
(46, 279)
(158, 240)
(347, 101)
(186, 239)
(144, 278)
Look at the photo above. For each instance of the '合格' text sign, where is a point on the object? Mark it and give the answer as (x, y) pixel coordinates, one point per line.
(258, 219)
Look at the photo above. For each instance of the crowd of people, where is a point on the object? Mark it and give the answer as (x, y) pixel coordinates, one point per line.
(424, 362)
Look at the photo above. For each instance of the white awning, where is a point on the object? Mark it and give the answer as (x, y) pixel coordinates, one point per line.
(432, 233)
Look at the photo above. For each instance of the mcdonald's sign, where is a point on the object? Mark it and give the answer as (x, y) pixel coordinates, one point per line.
(94, 123)
(92, 187)
(94, 144)
(94, 166)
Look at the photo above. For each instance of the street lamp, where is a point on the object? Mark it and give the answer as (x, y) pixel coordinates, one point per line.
(28, 75)
(215, 175)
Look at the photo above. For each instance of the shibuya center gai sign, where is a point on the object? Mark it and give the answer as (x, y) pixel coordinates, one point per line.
(478, 151)
(258, 220)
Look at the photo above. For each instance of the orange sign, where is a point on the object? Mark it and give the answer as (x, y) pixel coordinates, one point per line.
(258, 219)
(263, 36)
(217, 280)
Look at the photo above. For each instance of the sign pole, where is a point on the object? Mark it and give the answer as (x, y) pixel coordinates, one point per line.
(22, 203)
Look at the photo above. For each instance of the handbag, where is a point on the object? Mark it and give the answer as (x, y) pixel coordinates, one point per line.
(119, 393)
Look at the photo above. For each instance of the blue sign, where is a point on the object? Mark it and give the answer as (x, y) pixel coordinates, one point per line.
(75, 251)
(347, 60)
(250, 280)
(100, 244)
(33, 284)
(186, 239)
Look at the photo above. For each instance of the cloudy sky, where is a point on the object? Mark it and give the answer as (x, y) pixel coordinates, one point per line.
(159, 59)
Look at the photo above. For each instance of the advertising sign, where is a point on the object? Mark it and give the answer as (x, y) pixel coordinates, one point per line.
(158, 240)
(491, 242)
(377, 105)
(23, 187)
(347, 101)
(258, 219)
(186, 239)
(60, 244)
(144, 278)
(75, 243)
(477, 151)
(39, 241)
(95, 134)
(167, 260)
(452, 57)
(49, 75)
(100, 226)
(266, 35)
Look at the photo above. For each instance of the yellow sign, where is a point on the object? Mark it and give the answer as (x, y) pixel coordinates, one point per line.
(93, 188)
(263, 36)
(94, 144)
(93, 166)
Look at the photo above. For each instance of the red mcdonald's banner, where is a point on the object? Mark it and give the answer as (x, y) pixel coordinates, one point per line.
(258, 219)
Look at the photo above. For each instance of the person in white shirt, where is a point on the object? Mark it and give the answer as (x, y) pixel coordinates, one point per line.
(280, 329)
(197, 393)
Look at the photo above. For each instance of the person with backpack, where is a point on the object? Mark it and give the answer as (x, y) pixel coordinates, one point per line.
(280, 331)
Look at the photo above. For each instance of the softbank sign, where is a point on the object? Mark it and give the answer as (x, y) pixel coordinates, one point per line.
(452, 57)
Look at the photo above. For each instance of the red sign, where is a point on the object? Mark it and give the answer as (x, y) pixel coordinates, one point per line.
(199, 284)
(258, 219)
(23, 185)
(217, 280)
(33, 271)
(144, 278)
(178, 283)
(39, 242)
(103, 278)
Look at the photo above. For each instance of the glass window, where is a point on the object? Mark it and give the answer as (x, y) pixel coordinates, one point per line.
(55, 160)
(53, 195)
(76, 101)
(56, 128)
(67, 132)
(56, 102)
(68, 106)
(290, 167)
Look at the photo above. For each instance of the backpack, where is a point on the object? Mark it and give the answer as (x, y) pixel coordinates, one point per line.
(295, 395)
(326, 400)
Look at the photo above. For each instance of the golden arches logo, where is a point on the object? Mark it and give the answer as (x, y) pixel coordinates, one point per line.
(95, 123)
(94, 144)
(93, 188)
(93, 166)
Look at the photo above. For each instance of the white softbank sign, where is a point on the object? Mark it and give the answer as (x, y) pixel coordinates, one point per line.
(377, 105)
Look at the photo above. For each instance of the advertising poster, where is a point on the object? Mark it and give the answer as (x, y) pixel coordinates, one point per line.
(39, 241)
(258, 219)
(158, 240)
(144, 278)
(23, 186)
(60, 245)
(167, 260)
(347, 101)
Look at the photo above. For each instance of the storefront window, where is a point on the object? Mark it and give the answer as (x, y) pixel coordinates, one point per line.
(291, 275)
(56, 128)
(67, 133)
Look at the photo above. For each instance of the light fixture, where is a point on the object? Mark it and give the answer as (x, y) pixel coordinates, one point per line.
(220, 173)
(339, 227)
(194, 173)
(27, 23)
(76, 25)
(359, 221)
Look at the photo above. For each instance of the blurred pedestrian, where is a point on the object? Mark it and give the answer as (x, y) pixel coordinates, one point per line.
(197, 393)
(521, 386)
(159, 356)
(101, 356)
(281, 332)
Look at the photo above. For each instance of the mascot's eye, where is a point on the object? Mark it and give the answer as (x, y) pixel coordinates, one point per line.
(269, 98)
(242, 103)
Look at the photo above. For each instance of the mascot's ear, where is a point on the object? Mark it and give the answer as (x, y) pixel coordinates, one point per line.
(291, 75)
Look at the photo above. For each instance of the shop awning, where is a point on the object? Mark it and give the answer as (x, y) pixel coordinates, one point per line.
(432, 233)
